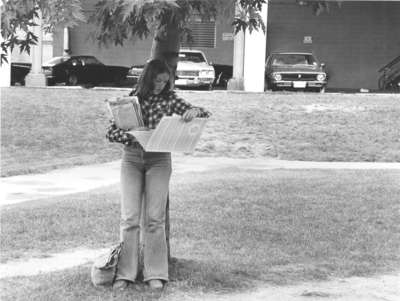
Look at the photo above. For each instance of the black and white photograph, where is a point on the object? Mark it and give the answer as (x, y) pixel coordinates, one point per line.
(200, 150)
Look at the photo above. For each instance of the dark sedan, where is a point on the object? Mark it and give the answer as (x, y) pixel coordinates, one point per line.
(18, 73)
(82, 69)
(296, 71)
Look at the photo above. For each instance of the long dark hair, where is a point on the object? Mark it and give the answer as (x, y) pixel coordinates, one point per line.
(145, 84)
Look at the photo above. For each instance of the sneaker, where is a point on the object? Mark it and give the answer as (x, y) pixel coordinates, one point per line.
(120, 285)
(155, 284)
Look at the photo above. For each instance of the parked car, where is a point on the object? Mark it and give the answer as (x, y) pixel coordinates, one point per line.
(18, 73)
(82, 69)
(294, 70)
(193, 70)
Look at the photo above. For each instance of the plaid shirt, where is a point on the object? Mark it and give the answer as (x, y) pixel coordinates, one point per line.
(153, 109)
(157, 106)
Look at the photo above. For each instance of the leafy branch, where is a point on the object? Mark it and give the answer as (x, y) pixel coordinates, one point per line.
(18, 20)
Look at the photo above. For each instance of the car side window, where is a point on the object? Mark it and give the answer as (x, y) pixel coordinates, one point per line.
(92, 61)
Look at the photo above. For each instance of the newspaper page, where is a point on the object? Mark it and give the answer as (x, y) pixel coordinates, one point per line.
(172, 135)
(126, 112)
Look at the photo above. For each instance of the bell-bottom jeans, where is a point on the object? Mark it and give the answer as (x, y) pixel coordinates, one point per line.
(144, 178)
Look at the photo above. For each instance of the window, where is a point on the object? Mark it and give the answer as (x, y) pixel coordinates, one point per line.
(203, 34)
(195, 57)
(91, 61)
(293, 59)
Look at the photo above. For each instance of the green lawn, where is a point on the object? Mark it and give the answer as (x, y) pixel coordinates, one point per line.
(231, 231)
(43, 129)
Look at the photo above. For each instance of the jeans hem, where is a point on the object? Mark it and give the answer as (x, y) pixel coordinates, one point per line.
(156, 277)
(124, 278)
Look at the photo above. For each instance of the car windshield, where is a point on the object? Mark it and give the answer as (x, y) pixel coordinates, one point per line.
(195, 57)
(56, 60)
(293, 59)
(90, 60)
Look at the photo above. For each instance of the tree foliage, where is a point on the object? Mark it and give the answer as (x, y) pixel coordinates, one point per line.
(18, 19)
(119, 20)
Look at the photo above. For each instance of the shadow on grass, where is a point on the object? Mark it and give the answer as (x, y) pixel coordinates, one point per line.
(187, 277)
(205, 276)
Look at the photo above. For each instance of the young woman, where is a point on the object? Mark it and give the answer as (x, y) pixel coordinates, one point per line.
(147, 174)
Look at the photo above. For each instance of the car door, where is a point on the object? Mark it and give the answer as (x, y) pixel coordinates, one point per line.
(268, 66)
(96, 71)
(73, 71)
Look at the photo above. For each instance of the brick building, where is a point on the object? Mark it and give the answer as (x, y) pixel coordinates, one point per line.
(353, 40)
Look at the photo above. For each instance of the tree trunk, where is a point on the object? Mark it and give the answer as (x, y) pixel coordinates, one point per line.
(165, 47)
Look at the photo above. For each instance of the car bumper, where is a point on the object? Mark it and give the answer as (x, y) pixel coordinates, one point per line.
(299, 84)
(193, 82)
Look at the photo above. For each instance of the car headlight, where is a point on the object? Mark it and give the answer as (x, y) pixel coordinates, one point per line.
(321, 76)
(277, 76)
(135, 71)
(207, 73)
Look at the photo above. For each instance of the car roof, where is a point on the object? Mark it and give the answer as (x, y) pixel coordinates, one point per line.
(308, 53)
(190, 50)
(81, 56)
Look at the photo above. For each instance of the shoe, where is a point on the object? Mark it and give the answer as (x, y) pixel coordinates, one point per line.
(120, 285)
(155, 284)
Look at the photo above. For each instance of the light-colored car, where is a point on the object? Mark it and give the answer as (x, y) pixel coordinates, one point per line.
(295, 70)
(193, 70)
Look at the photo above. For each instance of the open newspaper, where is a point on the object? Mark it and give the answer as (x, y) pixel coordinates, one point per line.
(126, 112)
(172, 134)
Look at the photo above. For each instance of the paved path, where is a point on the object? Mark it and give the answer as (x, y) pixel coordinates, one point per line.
(382, 288)
(23, 188)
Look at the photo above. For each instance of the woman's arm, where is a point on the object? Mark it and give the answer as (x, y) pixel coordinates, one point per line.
(188, 112)
(115, 134)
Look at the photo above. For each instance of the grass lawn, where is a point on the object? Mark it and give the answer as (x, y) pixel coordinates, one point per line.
(231, 230)
(43, 129)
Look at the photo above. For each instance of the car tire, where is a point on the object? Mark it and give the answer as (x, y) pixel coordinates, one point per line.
(72, 80)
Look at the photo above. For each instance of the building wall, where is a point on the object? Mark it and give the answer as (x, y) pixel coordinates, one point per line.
(354, 41)
(138, 51)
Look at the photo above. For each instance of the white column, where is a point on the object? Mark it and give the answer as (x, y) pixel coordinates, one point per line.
(236, 82)
(254, 58)
(35, 77)
(66, 42)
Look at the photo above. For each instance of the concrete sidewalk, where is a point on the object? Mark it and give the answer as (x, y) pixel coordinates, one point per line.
(23, 188)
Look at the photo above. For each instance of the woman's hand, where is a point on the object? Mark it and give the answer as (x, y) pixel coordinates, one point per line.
(190, 114)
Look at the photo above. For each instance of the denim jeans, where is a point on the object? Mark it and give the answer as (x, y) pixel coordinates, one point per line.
(144, 177)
